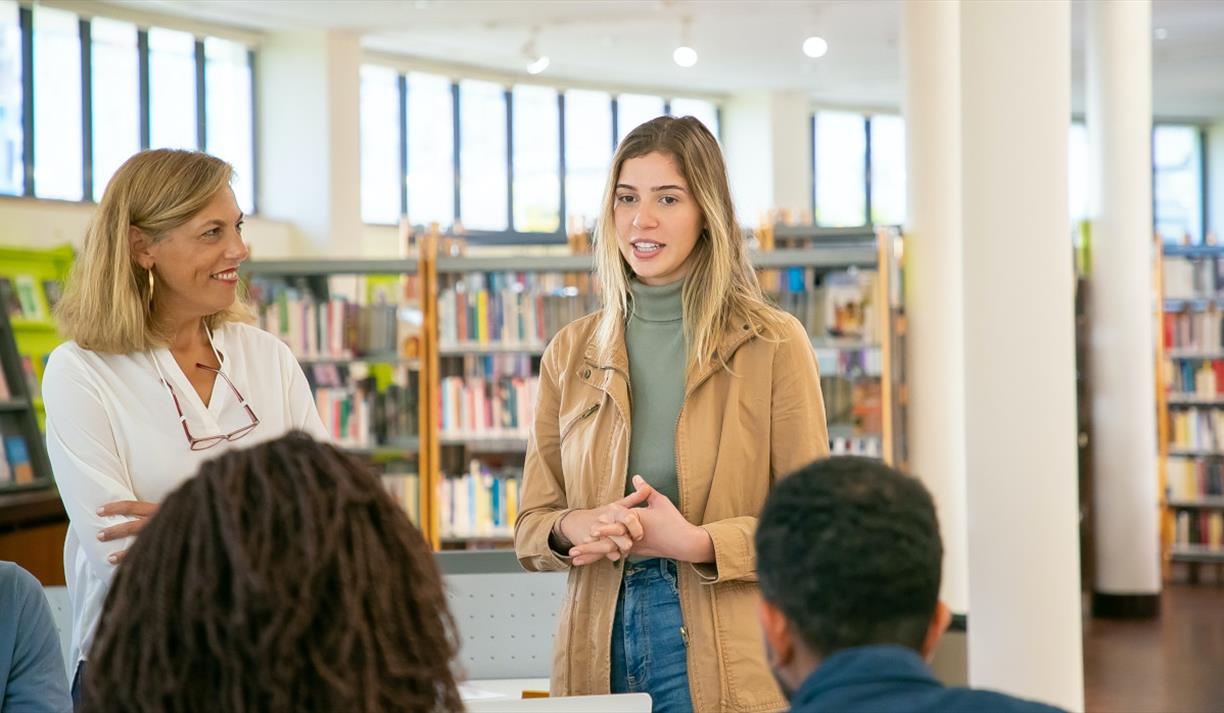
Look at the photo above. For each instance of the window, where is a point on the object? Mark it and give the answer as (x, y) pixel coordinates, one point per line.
(1177, 183)
(633, 110)
(1077, 173)
(431, 150)
(483, 172)
(58, 169)
(699, 109)
(841, 149)
(115, 95)
(537, 160)
(172, 90)
(588, 152)
(12, 147)
(887, 170)
(228, 114)
(380, 145)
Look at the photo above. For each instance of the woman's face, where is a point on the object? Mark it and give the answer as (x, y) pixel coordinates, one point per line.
(196, 264)
(657, 219)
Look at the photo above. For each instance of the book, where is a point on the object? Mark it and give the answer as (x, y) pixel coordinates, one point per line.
(31, 308)
(18, 457)
(12, 302)
(53, 290)
(483, 502)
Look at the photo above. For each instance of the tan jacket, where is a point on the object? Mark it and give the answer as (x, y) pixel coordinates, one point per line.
(738, 431)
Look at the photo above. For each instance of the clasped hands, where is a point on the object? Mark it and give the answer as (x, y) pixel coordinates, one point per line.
(644, 523)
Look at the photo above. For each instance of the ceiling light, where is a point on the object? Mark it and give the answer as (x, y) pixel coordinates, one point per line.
(537, 65)
(1161, 33)
(685, 56)
(536, 62)
(815, 47)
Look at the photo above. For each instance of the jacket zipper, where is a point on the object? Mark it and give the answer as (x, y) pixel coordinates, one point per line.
(594, 407)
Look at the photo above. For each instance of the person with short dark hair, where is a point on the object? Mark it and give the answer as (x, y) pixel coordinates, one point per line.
(281, 578)
(848, 556)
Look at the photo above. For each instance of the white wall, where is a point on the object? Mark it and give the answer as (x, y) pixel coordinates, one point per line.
(35, 223)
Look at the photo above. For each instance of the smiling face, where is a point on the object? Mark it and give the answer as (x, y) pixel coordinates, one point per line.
(196, 264)
(657, 220)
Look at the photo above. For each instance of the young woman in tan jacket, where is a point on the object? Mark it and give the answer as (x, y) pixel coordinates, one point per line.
(662, 421)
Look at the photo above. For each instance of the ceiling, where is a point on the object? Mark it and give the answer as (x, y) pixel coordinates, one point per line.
(743, 46)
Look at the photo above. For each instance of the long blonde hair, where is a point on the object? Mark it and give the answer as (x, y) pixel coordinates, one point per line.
(721, 289)
(106, 305)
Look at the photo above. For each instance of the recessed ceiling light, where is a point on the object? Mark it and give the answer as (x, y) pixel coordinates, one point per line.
(815, 47)
(1161, 33)
(685, 56)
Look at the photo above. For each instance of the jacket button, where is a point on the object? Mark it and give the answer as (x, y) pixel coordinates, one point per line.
(586, 373)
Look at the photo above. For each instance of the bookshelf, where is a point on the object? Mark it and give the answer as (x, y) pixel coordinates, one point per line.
(355, 327)
(35, 279)
(1190, 403)
(484, 322)
(23, 457)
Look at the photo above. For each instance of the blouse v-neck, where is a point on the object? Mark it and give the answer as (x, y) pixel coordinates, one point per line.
(164, 361)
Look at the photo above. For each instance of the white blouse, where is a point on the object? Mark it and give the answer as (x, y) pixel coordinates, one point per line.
(113, 434)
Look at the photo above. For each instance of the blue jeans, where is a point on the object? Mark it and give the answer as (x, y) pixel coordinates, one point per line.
(649, 647)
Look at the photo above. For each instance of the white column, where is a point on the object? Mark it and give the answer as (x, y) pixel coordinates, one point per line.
(1119, 122)
(930, 45)
(791, 114)
(1020, 408)
(309, 129)
(768, 147)
(1215, 180)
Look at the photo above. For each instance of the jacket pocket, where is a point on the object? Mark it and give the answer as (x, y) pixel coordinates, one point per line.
(750, 685)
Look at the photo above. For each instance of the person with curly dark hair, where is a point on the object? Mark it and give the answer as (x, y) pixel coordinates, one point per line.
(848, 555)
(280, 578)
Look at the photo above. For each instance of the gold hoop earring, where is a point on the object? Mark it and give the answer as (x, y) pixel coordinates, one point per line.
(150, 289)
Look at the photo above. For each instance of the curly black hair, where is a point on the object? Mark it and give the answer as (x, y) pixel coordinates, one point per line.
(849, 550)
(281, 578)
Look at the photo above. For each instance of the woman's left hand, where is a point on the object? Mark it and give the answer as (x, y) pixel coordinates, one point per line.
(137, 509)
(665, 532)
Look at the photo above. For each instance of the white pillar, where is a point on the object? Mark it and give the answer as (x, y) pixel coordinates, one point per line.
(930, 44)
(1215, 180)
(1020, 408)
(791, 114)
(309, 128)
(768, 148)
(1119, 122)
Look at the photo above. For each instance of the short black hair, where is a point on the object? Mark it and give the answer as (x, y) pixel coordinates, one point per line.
(849, 550)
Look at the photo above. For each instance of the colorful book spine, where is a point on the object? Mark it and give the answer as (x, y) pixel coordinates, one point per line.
(480, 503)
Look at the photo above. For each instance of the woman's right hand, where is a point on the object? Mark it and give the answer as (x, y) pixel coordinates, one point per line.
(591, 528)
(142, 511)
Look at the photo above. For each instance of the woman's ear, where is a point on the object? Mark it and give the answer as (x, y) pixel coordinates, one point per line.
(138, 246)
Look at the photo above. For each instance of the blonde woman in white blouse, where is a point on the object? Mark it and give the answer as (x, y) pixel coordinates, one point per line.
(162, 370)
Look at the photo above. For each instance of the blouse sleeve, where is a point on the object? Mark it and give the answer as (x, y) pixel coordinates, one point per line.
(84, 457)
(303, 413)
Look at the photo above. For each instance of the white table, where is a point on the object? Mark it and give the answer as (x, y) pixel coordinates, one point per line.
(505, 696)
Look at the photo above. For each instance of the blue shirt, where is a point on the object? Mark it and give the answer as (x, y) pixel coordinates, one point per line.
(894, 678)
(32, 676)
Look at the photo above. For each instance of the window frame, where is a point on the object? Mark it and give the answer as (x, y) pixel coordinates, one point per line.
(29, 98)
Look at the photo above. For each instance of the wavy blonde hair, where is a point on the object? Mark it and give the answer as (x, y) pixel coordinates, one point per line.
(106, 305)
(721, 289)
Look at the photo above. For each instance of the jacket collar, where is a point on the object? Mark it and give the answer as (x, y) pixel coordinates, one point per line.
(615, 356)
(863, 664)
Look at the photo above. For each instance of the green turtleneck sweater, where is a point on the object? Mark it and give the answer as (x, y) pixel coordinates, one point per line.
(654, 339)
